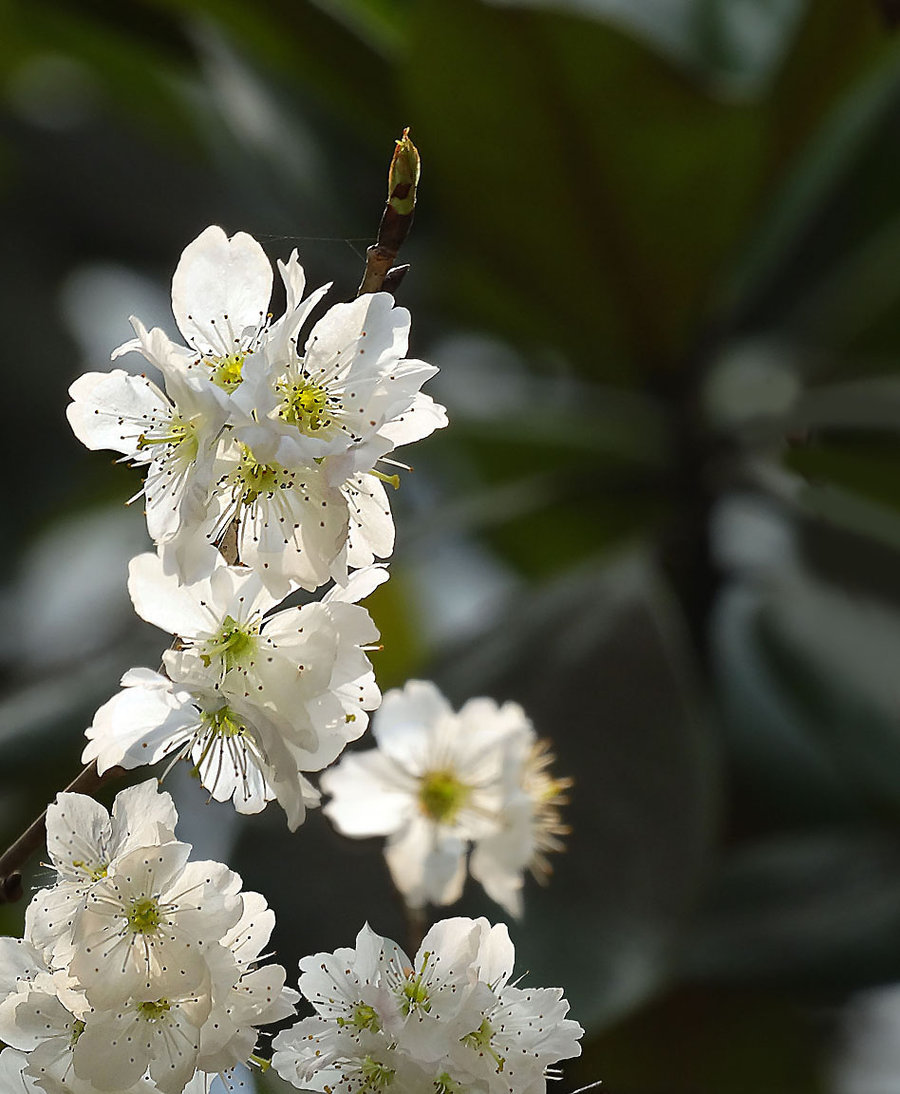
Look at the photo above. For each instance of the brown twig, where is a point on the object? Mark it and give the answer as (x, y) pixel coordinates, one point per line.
(396, 220)
(14, 858)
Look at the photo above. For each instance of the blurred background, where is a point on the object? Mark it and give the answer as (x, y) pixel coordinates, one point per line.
(657, 259)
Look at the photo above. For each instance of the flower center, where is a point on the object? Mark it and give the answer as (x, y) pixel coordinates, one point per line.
(304, 405)
(364, 1017)
(442, 795)
(77, 1030)
(443, 1084)
(153, 1011)
(224, 722)
(480, 1040)
(227, 371)
(181, 435)
(375, 1076)
(414, 994)
(95, 873)
(255, 478)
(233, 643)
(144, 916)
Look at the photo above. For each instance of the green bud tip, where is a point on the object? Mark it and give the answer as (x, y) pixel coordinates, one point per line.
(403, 176)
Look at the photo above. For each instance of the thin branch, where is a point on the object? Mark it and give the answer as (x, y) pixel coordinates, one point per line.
(396, 221)
(13, 859)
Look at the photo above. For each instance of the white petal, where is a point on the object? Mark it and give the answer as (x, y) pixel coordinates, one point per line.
(404, 715)
(221, 286)
(427, 866)
(158, 598)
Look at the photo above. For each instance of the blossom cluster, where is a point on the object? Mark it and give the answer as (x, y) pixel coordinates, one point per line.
(439, 783)
(449, 1021)
(139, 970)
(263, 477)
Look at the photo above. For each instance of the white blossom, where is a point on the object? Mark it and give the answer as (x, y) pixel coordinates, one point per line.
(446, 1022)
(258, 997)
(254, 699)
(84, 843)
(175, 435)
(162, 982)
(254, 438)
(440, 782)
(144, 927)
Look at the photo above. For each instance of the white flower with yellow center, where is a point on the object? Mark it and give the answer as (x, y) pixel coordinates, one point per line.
(175, 435)
(435, 783)
(440, 784)
(253, 699)
(351, 393)
(220, 299)
(84, 843)
(290, 523)
(159, 1036)
(144, 929)
(239, 748)
(446, 1022)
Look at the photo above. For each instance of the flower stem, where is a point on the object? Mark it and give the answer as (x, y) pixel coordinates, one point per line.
(14, 858)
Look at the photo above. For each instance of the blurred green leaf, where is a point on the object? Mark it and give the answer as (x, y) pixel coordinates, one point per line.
(864, 464)
(734, 43)
(821, 907)
(570, 174)
(834, 651)
(304, 44)
(804, 183)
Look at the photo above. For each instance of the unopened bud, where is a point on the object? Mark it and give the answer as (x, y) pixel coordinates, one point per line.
(403, 176)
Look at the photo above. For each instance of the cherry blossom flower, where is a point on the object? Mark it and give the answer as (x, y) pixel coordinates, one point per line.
(144, 928)
(84, 843)
(175, 435)
(237, 670)
(253, 438)
(441, 782)
(446, 1022)
(161, 984)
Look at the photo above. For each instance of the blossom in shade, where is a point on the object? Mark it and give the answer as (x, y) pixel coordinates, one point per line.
(446, 1022)
(253, 699)
(161, 981)
(84, 843)
(441, 782)
(144, 927)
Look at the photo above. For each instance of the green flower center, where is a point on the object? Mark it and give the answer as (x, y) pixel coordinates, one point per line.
(375, 1075)
(480, 1040)
(227, 372)
(95, 873)
(144, 916)
(255, 478)
(304, 405)
(181, 435)
(233, 643)
(153, 1011)
(364, 1017)
(442, 795)
(224, 722)
(443, 1084)
(414, 994)
(77, 1030)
